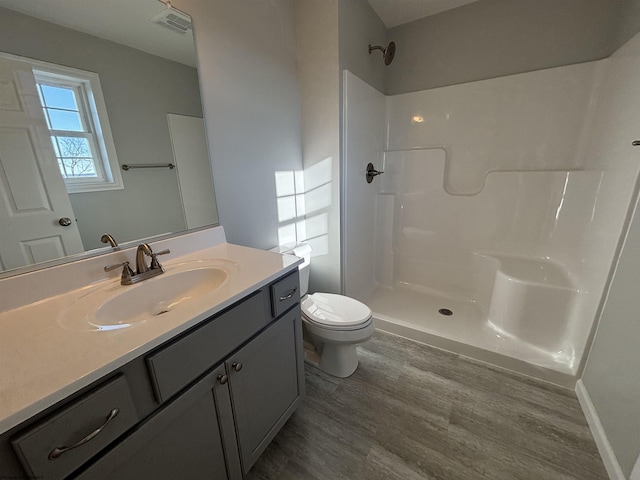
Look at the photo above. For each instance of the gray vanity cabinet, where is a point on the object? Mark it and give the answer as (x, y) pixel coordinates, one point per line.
(203, 405)
(266, 381)
(182, 440)
(218, 428)
(195, 436)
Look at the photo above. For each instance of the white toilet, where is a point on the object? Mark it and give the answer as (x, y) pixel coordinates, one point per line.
(333, 324)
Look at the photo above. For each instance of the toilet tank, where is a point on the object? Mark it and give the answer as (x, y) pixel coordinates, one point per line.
(302, 250)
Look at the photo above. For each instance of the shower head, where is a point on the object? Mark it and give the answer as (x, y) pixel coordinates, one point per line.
(388, 52)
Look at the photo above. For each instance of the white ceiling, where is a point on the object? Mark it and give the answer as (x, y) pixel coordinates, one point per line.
(398, 12)
(122, 21)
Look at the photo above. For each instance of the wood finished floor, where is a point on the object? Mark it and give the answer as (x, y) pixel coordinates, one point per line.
(413, 412)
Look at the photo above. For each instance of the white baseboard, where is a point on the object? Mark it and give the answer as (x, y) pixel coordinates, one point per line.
(604, 447)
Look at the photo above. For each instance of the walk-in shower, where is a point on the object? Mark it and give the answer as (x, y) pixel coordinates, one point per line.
(494, 227)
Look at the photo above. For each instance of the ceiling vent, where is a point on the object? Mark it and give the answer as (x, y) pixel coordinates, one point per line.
(174, 20)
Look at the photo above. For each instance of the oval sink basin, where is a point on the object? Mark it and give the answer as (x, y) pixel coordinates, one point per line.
(158, 295)
(116, 306)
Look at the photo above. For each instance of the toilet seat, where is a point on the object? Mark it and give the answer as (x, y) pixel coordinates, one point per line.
(335, 312)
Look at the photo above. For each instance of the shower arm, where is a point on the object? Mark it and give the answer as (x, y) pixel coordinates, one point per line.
(377, 47)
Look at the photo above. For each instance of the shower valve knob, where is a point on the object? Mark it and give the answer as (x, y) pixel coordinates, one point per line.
(372, 172)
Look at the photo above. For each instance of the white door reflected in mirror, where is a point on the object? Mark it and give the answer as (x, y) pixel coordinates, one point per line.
(35, 200)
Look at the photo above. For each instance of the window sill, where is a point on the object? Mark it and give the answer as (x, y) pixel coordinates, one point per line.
(93, 187)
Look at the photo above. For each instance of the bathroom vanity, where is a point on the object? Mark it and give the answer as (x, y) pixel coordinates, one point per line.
(199, 395)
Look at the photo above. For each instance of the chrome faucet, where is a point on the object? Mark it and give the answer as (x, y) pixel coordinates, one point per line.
(143, 271)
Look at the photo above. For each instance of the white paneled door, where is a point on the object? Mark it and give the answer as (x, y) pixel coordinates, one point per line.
(34, 206)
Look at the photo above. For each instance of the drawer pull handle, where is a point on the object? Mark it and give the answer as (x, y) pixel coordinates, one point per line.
(56, 452)
(237, 366)
(223, 379)
(289, 295)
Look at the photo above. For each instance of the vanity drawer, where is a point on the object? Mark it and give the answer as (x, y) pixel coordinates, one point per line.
(60, 444)
(175, 366)
(284, 294)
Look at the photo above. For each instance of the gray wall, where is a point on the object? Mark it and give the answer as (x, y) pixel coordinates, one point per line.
(139, 90)
(247, 61)
(612, 373)
(319, 78)
(628, 23)
(492, 38)
(359, 26)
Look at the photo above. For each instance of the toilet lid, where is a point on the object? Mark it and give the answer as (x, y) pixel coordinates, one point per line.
(335, 310)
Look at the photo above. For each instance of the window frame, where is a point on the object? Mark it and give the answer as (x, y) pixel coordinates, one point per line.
(94, 112)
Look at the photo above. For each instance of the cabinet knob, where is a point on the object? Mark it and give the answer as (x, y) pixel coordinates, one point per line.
(237, 366)
(223, 379)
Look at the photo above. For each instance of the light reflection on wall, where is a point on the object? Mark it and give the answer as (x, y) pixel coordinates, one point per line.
(303, 200)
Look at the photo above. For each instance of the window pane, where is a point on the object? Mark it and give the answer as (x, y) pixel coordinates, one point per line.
(74, 147)
(65, 120)
(74, 157)
(59, 97)
(78, 167)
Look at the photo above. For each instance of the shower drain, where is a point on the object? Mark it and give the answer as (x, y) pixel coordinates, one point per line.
(445, 311)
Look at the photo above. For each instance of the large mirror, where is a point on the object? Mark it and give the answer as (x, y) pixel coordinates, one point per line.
(101, 128)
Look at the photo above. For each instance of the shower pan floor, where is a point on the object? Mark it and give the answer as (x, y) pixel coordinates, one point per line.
(421, 310)
(416, 315)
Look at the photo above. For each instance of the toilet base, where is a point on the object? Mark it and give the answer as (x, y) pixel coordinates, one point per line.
(337, 360)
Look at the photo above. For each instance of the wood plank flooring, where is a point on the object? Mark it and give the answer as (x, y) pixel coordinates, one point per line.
(412, 412)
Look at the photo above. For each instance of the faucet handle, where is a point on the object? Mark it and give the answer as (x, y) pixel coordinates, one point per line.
(108, 268)
(154, 261)
(127, 273)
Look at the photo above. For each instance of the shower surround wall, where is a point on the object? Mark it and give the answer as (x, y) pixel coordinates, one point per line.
(502, 200)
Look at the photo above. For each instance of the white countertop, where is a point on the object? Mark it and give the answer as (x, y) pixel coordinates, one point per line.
(42, 360)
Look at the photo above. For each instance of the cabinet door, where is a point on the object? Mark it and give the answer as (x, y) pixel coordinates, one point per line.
(267, 383)
(183, 440)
